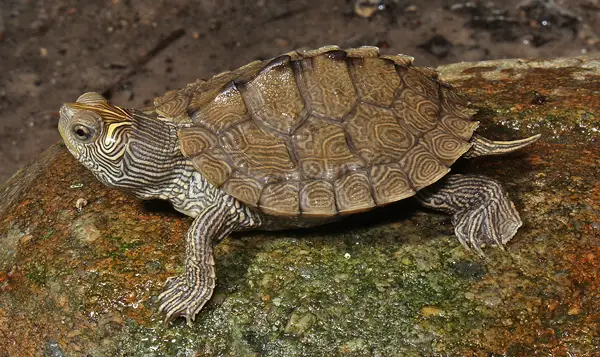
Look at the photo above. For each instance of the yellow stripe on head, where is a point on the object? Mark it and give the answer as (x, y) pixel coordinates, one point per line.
(109, 113)
(109, 138)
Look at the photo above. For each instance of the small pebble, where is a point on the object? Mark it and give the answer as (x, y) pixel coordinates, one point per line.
(431, 311)
(366, 8)
(81, 202)
(281, 42)
(26, 238)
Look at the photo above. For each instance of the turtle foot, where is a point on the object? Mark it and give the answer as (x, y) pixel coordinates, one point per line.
(493, 221)
(186, 295)
(482, 213)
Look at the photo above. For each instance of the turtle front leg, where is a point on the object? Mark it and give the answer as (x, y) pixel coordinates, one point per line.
(186, 295)
(481, 211)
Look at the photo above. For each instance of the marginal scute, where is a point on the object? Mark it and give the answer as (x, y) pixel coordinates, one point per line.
(273, 97)
(445, 146)
(422, 83)
(225, 110)
(417, 112)
(281, 199)
(400, 60)
(330, 89)
(353, 193)
(317, 198)
(204, 92)
(195, 140)
(214, 166)
(172, 106)
(376, 135)
(429, 72)
(258, 154)
(422, 167)
(456, 115)
(390, 183)
(244, 188)
(322, 150)
(247, 72)
(207, 91)
(313, 53)
(363, 52)
(454, 99)
(460, 127)
(375, 80)
(293, 55)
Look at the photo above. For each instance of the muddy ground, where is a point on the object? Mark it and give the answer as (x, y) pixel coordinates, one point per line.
(132, 51)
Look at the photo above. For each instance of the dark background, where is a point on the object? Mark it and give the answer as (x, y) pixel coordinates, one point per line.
(132, 51)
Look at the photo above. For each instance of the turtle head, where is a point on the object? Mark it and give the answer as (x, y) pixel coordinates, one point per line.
(96, 133)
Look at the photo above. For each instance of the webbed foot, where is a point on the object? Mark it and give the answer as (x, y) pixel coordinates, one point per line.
(187, 294)
(482, 213)
(493, 222)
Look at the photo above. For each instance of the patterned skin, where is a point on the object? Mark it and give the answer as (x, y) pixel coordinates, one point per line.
(297, 141)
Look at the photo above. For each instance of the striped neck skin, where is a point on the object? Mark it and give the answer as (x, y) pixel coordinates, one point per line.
(152, 165)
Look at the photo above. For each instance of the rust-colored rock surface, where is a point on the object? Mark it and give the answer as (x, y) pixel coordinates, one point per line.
(80, 264)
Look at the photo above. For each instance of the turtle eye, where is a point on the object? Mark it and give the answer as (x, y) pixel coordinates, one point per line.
(81, 132)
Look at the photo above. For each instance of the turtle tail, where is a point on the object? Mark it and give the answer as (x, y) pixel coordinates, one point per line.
(484, 147)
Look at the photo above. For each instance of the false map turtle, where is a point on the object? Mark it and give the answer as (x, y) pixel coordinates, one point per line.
(299, 140)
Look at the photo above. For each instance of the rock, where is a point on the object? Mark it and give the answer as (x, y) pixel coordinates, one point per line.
(390, 282)
(438, 46)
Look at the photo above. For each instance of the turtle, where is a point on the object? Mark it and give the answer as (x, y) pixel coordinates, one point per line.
(299, 140)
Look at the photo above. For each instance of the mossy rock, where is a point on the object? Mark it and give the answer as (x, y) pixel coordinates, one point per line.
(393, 282)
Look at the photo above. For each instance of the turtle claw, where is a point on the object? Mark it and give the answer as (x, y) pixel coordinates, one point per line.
(187, 294)
(493, 222)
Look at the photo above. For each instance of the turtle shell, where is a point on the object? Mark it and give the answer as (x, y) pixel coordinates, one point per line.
(321, 132)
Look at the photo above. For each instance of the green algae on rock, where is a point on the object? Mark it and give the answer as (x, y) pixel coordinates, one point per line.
(391, 282)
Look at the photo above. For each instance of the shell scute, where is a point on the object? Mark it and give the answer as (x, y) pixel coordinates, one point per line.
(353, 192)
(173, 106)
(322, 150)
(281, 199)
(258, 153)
(243, 187)
(215, 166)
(445, 146)
(390, 183)
(273, 97)
(330, 90)
(317, 198)
(363, 52)
(422, 167)
(375, 80)
(417, 112)
(195, 140)
(226, 109)
(378, 141)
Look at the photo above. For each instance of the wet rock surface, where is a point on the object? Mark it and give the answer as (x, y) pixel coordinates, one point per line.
(83, 279)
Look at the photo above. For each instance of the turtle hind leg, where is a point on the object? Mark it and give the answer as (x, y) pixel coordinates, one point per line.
(482, 213)
(486, 147)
